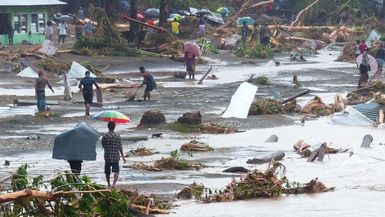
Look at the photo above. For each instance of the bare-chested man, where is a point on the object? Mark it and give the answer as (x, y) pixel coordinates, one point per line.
(40, 84)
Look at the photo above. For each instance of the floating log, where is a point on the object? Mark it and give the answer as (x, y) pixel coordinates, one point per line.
(133, 137)
(277, 156)
(106, 86)
(28, 102)
(150, 210)
(302, 93)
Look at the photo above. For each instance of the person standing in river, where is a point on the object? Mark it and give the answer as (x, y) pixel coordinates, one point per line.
(40, 84)
(112, 145)
(364, 69)
(265, 34)
(86, 85)
(189, 60)
(149, 81)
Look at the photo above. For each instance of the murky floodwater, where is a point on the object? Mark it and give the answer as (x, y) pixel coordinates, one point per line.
(359, 179)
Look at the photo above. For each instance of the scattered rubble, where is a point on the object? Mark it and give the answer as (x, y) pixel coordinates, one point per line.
(191, 118)
(257, 184)
(277, 156)
(236, 170)
(305, 150)
(141, 152)
(196, 146)
(151, 119)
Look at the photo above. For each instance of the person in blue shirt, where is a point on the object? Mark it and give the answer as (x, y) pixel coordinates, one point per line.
(86, 85)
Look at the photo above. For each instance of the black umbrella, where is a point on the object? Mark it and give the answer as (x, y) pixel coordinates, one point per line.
(152, 12)
(79, 143)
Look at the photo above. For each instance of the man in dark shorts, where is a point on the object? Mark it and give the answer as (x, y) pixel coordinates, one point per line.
(149, 81)
(112, 145)
(40, 84)
(76, 166)
(85, 85)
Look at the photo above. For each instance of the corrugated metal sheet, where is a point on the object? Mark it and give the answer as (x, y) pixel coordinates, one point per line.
(30, 2)
(28, 73)
(78, 71)
(369, 110)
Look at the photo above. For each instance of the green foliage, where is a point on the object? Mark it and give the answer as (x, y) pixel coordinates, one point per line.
(175, 154)
(19, 179)
(70, 203)
(207, 46)
(262, 80)
(254, 51)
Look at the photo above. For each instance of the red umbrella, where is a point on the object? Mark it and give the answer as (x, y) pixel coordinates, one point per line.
(192, 48)
(140, 17)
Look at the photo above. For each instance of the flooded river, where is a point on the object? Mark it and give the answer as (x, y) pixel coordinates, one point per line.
(358, 175)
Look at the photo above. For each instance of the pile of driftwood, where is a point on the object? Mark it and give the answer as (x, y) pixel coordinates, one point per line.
(174, 162)
(373, 90)
(306, 151)
(255, 184)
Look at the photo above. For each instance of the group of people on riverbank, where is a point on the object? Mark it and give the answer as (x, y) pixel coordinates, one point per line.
(260, 33)
(111, 141)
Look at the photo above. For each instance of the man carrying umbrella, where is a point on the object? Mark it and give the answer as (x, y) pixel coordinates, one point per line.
(112, 145)
(86, 85)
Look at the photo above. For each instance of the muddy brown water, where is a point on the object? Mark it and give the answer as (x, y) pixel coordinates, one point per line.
(231, 150)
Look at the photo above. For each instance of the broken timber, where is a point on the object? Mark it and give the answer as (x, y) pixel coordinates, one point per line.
(28, 102)
(304, 92)
(205, 75)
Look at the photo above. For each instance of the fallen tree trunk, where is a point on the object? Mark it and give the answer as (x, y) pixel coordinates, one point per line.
(303, 39)
(28, 102)
(150, 210)
(301, 28)
(42, 194)
(246, 6)
(301, 13)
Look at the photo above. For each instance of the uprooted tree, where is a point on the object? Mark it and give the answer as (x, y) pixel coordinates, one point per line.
(70, 196)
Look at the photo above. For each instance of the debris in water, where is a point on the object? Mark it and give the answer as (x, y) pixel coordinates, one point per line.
(196, 146)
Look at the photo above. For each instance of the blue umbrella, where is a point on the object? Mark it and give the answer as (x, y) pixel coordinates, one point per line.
(248, 20)
(79, 143)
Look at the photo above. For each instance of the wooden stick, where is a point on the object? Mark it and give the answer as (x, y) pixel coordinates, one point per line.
(6, 178)
(151, 210)
(301, 13)
(205, 75)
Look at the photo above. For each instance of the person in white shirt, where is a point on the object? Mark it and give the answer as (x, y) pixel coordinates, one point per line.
(48, 31)
(62, 32)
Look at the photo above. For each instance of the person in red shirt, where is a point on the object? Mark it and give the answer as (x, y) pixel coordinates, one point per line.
(362, 46)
